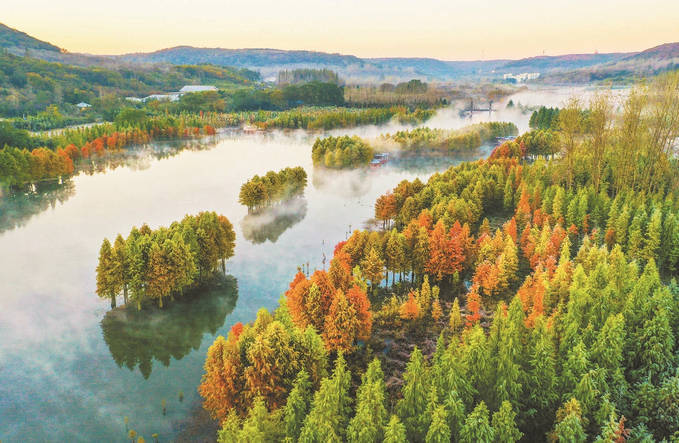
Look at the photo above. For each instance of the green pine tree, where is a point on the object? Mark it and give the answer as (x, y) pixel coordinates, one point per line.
(414, 401)
(230, 428)
(106, 282)
(653, 237)
(371, 413)
(504, 424)
(297, 405)
(569, 427)
(438, 432)
(395, 432)
(477, 428)
(330, 409)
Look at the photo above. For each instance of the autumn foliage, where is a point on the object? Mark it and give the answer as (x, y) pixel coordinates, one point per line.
(332, 304)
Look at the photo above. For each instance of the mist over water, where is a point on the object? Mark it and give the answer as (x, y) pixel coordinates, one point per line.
(70, 370)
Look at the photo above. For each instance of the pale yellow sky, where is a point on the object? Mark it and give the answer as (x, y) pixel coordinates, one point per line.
(445, 29)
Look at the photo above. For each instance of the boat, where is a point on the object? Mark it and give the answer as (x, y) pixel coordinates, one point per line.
(379, 159)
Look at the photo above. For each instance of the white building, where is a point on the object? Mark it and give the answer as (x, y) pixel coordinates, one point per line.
(523, 77)
(169, 97)
(196, 88)
(83, 105)
(174, 96)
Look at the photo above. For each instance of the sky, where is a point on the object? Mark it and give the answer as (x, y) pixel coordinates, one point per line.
(444, 29)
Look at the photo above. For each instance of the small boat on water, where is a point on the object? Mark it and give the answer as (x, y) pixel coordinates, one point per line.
(250, 129)
(379, 159)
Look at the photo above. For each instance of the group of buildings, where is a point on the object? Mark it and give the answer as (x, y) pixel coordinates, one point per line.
(173, 96)
(520, 78)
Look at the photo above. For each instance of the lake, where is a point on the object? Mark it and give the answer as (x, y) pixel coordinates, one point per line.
(70, 370)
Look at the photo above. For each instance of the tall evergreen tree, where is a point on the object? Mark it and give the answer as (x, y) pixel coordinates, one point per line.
(230, 429)
(121, 267)
(569, 427)
(327, 419)
(371, 413)
(541, 393)
(373, 267)
(653, 237)
(341, 325)
(259, 427)
(438, 432)
(504, 424)
(455, 319)
(106, 283)
(395, 432)
(297, 405)
(414, 401)
(477, 428)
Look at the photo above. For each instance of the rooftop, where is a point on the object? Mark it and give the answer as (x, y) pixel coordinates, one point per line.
(197, 88)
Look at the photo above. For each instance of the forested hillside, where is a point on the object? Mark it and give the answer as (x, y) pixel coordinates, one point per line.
(12, 38)
(29, 85)
(530, 296)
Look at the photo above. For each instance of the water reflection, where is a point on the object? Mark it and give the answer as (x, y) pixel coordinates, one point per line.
(58, 380)
(135, 338)
(140, 157)
(16, 208)
(427, 163)
(270, 223)
(19, 206)
(346, 183)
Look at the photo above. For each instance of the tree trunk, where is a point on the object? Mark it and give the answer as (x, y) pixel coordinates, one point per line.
(125, 293)
(113, 301)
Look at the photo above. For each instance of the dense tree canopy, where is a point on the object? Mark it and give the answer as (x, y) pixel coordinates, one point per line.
(341, 152)
(152, 265)
(469, 137)
(563, 315)
(23, 162)
(272, 187)
(29, 85)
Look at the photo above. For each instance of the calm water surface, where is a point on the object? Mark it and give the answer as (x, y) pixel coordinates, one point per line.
(70, 370)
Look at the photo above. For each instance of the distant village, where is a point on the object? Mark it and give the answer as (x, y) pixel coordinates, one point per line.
(173, 96)
(520, 78)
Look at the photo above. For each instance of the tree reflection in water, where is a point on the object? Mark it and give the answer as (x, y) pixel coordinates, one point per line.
(270, 223)
(346, 183)
(17, 207)
(135, 337)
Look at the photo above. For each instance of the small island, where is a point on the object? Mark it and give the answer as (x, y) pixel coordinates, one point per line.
(341, 152)
(155, 264)
(352, 152)
(455, 140)
(260, 192)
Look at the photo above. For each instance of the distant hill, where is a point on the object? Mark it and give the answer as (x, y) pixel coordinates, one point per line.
(241, 57)
(571, 61)
(661, 52)
(29, 84)
(13, 39)
(646, 63)
(560, 68)
(439, 68)
(268, 62)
